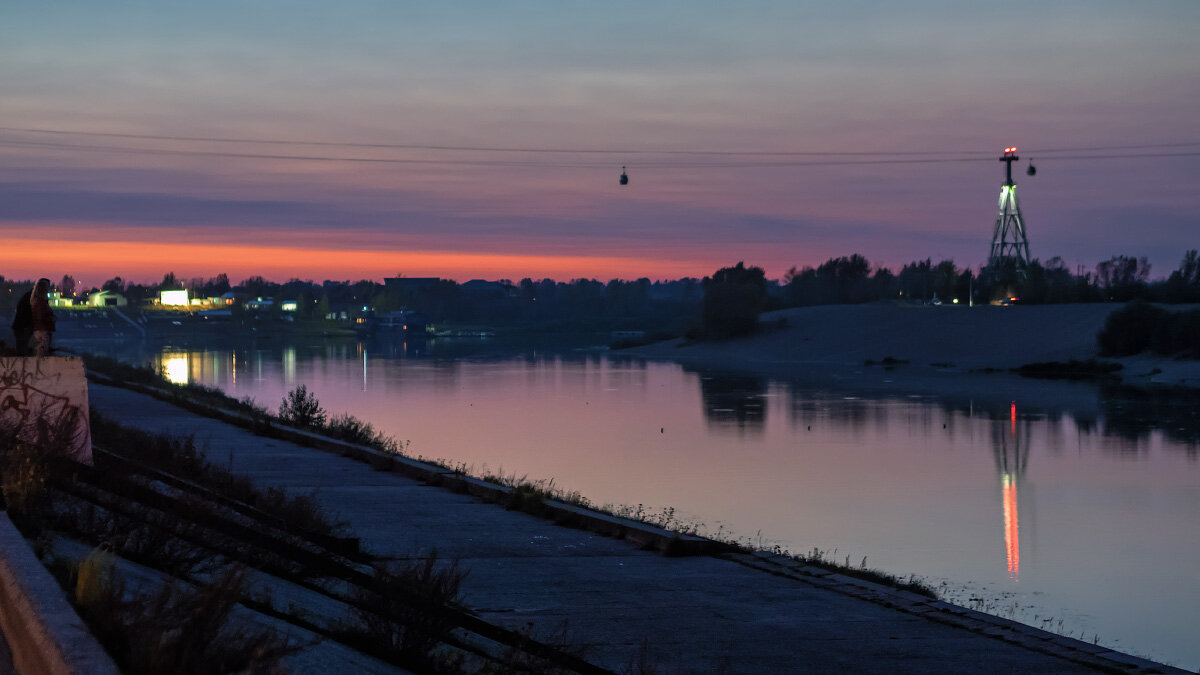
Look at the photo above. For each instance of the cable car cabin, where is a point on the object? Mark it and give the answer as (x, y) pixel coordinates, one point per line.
(1032, 170)
(624, 177)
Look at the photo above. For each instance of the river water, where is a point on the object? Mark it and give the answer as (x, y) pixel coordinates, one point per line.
(1070, 507)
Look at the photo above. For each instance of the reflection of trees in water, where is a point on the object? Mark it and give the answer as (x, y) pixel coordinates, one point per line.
(1129, 414)
(922, 417)
(1132, 414)
(848, 413)
(1087, 424)
(398, 348)
(734, 400)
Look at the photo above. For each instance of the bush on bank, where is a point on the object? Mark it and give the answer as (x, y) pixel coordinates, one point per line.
(1139, 327)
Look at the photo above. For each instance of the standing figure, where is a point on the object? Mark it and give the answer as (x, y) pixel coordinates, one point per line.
(43, 317)
(22, 325)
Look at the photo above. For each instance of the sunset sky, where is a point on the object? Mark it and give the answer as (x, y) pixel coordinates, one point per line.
(526, 111)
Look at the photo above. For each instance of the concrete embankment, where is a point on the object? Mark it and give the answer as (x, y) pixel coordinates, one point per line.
(628, 607)
(43, 633)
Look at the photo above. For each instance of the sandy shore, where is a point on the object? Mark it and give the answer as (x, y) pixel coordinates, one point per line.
(936, 342)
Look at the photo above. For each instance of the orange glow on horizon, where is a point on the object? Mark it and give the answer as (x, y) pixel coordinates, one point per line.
(150, 260)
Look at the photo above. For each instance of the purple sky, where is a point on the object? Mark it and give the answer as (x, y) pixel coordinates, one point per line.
(843, 77)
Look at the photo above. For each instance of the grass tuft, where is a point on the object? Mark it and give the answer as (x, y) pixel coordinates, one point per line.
(404, 613)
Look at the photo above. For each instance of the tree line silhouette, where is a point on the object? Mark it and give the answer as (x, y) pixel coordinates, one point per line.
(726, 303)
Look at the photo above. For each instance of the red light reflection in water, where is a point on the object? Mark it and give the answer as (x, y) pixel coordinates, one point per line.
(1012, 523)
(1012, 527)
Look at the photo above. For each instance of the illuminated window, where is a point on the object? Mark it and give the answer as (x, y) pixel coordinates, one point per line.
(175, 298)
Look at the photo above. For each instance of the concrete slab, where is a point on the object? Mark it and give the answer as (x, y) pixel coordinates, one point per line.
(47, 392)
(627, 606)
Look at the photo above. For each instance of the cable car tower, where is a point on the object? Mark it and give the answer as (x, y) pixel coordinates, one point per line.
(1010, 248)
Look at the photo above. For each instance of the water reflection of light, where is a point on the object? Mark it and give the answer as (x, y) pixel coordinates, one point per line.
(1011, 452)
(175, 368)
(1012, 526)
(289, 366)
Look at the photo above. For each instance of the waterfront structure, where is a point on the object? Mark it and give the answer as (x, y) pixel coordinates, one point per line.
(1009, 257)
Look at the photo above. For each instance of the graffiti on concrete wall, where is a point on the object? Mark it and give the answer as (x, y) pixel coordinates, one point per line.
(44, 400)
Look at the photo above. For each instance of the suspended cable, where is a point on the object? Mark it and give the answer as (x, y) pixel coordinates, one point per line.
(1147, 146)
(307, 158)
(1132, 155)
(471, 148)
(642, 151)
(542, 164)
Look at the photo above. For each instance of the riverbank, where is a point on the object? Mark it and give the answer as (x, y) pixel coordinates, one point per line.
(919, 344)
(691, 614)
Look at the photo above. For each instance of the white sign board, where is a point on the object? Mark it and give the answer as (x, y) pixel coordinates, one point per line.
(47, 398)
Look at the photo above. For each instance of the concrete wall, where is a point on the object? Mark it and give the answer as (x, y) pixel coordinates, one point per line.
(43, 631)
(41, 394)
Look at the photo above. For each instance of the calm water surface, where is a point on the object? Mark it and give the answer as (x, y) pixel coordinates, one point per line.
(1082, 518)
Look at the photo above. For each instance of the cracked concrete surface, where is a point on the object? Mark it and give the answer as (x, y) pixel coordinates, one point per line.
(621, 605)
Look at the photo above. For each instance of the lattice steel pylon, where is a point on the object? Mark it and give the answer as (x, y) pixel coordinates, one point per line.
(1010, 248)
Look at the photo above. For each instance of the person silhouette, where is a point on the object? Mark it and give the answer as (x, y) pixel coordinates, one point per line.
(43, 317)
(22, 324)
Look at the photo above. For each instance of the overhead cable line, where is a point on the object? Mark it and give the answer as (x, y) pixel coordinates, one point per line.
(390, 160)
(543, 164)
(308, 158)
(639, 151)
(472, 148)
(1101, 148)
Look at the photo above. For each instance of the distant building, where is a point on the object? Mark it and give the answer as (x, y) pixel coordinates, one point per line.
(56, 299)
(107, 299)
(260, 304)
(407, 321)
(173, 298)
